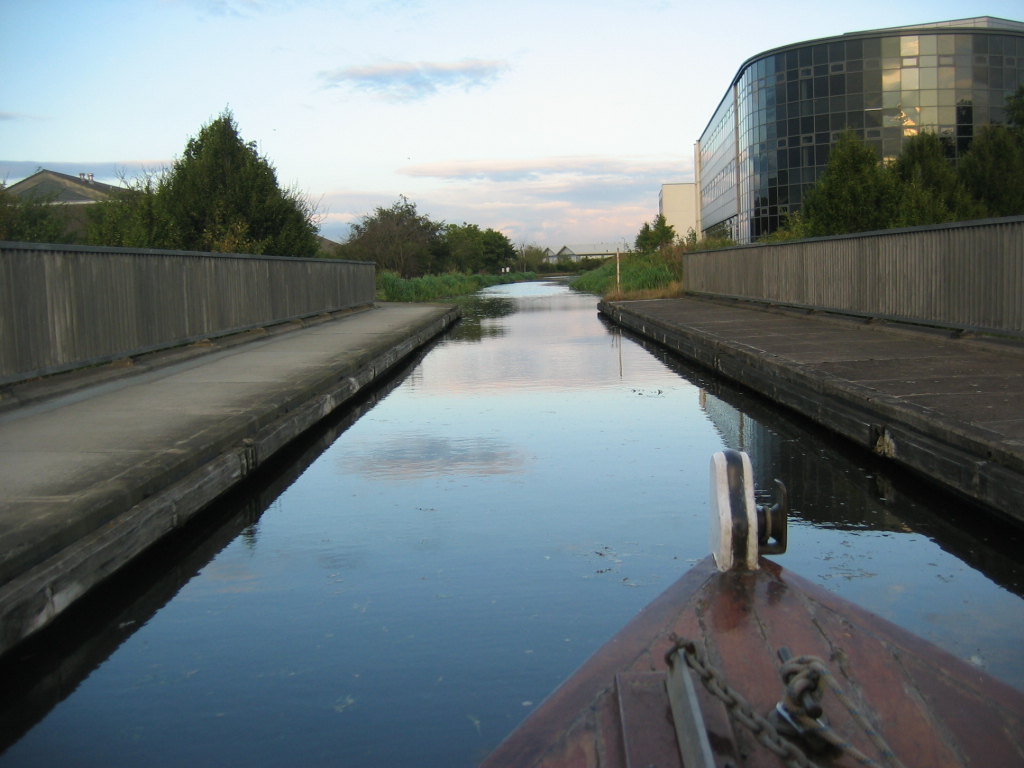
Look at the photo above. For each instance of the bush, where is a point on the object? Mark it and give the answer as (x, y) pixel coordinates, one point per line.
(393, 287)
(644, 274)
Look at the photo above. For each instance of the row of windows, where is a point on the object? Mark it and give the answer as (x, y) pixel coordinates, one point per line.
(721, 183)
(905, 122)
(722, 127)
(905, 46)
(874, 65)
(940, 109)
(979, 99)
(894, 132)
(876, 84)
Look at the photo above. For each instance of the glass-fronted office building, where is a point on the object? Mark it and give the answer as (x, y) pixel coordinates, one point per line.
(770, 137)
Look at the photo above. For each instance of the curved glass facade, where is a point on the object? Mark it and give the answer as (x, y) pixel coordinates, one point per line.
(770, 137)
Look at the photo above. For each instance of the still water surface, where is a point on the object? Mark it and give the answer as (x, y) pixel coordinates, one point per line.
(425, 571)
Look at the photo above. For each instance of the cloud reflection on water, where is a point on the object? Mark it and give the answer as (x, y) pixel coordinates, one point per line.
(410, 457)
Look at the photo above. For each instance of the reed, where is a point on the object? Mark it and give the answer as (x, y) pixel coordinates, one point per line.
(393, 287)
(642, 275)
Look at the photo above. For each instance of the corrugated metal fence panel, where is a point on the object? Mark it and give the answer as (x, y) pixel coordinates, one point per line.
(63, 307)
(969, 274)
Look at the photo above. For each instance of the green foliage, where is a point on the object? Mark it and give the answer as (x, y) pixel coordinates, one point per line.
(637, 271)
(854, 194)
(929, 188)
(530, 257)
(401, 240)
(467, 248)
(655, 235)
(793, 228)
(393, 287)
(398, 239)
(32, 220)
(220, 195)
(130, 219)
(992, 171)
(1015, 108)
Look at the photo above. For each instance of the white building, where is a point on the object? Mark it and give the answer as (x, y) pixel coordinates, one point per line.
(678, 204)
(587, 251)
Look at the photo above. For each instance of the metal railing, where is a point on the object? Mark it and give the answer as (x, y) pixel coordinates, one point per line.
(64, 307)
(968, 275)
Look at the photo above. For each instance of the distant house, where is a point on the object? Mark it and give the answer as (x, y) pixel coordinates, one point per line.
(62, 189)
(587, 251)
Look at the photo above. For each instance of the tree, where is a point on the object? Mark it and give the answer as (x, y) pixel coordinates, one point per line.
(653, 236)
(461, 248)
(1015, 109)
(992, 171)
(396, 238)
(854, 194)
(467, 248)
(929, 191)
(222, 195)
(529, 257)
(132, 218)
(498, 251)
(32, 219)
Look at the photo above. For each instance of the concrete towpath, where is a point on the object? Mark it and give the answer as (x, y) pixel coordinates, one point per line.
(949, 408)
(96, 467)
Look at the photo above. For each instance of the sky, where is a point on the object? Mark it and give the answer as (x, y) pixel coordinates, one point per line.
(553, 121)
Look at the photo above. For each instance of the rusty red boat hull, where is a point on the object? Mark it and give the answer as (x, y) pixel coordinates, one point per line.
(933, 709)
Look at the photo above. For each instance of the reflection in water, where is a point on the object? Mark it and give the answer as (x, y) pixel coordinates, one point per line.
(476, 311)
(835, 485)
(413, 457)
(39, 675)
(408, 596)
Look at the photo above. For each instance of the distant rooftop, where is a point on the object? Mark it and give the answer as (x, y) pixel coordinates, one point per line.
(977, 22)
(63, 188)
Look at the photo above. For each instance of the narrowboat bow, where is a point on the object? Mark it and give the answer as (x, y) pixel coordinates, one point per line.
(741, 664)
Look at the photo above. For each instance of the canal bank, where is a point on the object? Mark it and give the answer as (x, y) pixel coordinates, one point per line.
(93, 475)
(951, 409)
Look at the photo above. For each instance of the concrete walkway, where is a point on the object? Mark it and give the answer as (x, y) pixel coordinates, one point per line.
(91, 477)
(951, 409)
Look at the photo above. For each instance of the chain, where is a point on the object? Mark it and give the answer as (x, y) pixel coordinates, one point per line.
(801, 676)
(738, 706)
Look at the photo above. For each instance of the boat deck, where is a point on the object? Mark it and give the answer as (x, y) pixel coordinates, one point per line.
(933, 709)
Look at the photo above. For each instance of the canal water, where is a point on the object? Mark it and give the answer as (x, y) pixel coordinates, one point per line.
(412, 580)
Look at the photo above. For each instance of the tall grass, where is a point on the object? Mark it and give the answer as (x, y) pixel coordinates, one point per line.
(392, 287)
(651, 275)
(643, 275)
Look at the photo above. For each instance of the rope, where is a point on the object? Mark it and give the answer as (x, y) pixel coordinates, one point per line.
(802, 677)
(801, 705)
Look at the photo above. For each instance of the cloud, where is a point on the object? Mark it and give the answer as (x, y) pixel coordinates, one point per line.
(546, 200)
(415, 457)
(591, 167)
(232, 8)
(12, 116)
(411, 81)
